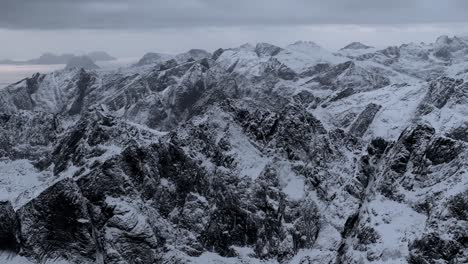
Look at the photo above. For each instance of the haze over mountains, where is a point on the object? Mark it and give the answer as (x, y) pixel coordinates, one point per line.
(50, 59)
(252, 154)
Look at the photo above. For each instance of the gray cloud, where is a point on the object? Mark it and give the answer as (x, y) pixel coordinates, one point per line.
(147, 14)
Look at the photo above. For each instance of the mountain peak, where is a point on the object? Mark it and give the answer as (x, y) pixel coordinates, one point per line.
(454, 41)
(152, 58)
(100, 56)
(356, 46)
(444, 39)
(266, 49)
(247, 46)
(445, 45)
(193, 54)
(306, 47)
(302, 43)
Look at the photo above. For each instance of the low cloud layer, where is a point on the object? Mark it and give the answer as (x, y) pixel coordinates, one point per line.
(150, 14)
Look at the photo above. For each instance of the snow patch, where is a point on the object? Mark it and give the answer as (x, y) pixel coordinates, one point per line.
(397, 224)
(20, 181)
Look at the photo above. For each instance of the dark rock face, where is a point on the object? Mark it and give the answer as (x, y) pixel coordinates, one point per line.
(433, 247)
(28, 135)
(68, 149)
(9, 227)
(128, 237)
(104, 181)
(458, 206)
(193, 55)
(330, 76)
(167, 65)
(33, 82)
(237, 222)
(360, 126)
(356, 45)
(343, 94)
(20, 96)
(84, 82)
(217, 53)
(377, 147)
(57, 224)
(286, 73)
(292, 129)
(410, 148)
(307, 98)
(277, 69)
(391, 52)
(440, 92)
(349, 75)
(459, 133)
(316, 69)
(265, 49)
(443, 53)
(87, 138)
(443, 150)
(446, 48)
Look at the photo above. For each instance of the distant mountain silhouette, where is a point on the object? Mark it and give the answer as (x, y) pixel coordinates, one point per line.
(51, 58)
(81, 62)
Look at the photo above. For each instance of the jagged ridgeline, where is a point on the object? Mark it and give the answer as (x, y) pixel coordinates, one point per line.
(255, 154)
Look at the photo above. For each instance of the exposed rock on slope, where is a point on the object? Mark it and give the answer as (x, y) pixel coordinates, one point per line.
(9, 227)
(363, 121)
(356, 46)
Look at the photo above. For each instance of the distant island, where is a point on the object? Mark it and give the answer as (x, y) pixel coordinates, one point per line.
(50, 58)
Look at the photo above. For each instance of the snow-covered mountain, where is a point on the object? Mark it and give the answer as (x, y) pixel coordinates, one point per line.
(254, 154)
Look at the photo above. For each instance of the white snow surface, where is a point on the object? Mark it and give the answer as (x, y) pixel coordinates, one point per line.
(20, 181)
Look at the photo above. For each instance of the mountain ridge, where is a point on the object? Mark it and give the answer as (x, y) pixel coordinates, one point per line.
(51, 59)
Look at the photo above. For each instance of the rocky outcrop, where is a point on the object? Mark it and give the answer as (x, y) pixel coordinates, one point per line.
(193, 55)
(9, 228)
(18, 95)
(28, 135)
(439, 93)
(443, 150)
(363, 121)
(57, 224)
(349, 75)
(356, 46)
(265, 49)
(459, 133)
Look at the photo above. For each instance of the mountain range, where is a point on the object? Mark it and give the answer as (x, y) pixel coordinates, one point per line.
(50, 58)
(253, 154)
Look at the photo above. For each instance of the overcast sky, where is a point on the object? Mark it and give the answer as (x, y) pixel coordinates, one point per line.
(129, 28)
